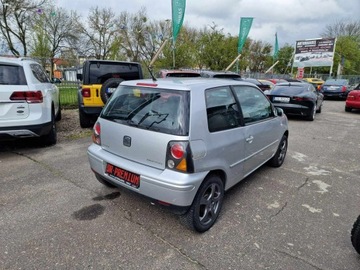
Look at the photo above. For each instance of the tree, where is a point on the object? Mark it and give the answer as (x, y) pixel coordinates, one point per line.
(216, 50)
(15, 22)
(343, 28)
(57, 26)
(132, 30)
(285, 58)
(100, 32)
(260, 56)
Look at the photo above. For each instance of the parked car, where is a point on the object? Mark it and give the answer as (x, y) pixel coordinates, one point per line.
(335, 88)
(263, 86)
(177, 73)
(29, 102)
(99, 80)
(355, 235)
(353, 99)
(297, 99)
(316, 82)
(220, 75)
(264, 81)
(183, 143)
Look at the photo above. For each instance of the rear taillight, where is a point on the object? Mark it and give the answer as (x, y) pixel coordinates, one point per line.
(96, 133)
(343, 89)
(85, 92)
(301, 98)
(179, 157)
(28, 96)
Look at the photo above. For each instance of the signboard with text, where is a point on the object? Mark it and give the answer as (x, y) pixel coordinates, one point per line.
(314, 52)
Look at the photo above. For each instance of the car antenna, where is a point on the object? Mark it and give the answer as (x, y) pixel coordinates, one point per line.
(151, 73)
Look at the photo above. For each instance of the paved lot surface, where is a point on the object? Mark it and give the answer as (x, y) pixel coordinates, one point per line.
(55, 215)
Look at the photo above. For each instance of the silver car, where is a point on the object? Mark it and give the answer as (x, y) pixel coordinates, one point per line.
(184, 142)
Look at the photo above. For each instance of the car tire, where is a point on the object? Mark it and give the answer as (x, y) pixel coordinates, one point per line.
(104, 181)
(319, 110)
(85, 120)
(311, 116)
(347, 109)
(278, 159)
(51, 137)
(58, 116)
(206, 206)
(113, 83)
(355, 235)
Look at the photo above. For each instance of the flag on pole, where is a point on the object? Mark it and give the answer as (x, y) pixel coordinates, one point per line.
(276, 47)
(178, 12)
(245, 25)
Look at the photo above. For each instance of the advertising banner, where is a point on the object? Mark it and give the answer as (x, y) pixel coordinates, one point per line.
(178, 12)
(245, 25)
(314, 52)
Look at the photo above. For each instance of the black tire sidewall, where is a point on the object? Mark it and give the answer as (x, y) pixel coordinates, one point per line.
(355, 235)
(113, 83)
(198, 226)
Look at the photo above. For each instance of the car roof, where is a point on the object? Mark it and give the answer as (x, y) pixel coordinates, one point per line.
(213, 72)
(295, 84)
(180, 83)
(16, 60)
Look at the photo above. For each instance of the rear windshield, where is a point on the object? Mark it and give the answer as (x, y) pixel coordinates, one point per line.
(287, 90)
(181, 74)
(100, 72)
(159, 110)
(335, 82)
(12, 75)
(227, 76)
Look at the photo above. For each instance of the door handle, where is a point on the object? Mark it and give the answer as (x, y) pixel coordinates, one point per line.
(249, 139)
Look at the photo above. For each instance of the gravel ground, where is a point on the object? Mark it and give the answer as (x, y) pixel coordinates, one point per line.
(68, 127)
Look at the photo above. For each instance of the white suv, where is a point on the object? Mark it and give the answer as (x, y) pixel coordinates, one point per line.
(29, 102)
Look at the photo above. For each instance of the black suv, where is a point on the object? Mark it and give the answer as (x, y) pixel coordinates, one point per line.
(100, 78)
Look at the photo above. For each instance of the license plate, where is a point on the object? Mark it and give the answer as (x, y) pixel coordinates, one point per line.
(282, 99)
(129, 178)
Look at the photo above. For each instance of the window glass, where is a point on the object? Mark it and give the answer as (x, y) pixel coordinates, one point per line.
(159, 110)
(100, 72)
(39, 73)
(12, 75)
(254, 104)
(222, 111)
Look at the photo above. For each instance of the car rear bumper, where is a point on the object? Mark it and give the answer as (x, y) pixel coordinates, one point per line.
(294, 109)
(355, 104)
(335, 94)
(18, 132)
(165, 186)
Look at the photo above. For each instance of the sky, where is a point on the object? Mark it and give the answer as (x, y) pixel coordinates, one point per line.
(292, 20)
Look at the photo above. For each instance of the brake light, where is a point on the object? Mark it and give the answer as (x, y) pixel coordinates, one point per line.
(343, 89)
(179, 157)
(177, 151)
(85, 92)
(147, 84)
(96, 133)
(301, 98)
(28, 96)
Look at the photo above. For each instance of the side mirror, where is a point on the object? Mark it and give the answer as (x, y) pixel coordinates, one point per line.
(279, 111)
(79, 76)
(55, 80)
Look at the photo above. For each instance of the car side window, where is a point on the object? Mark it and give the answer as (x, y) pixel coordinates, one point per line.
(254, 104)
(222, 110)
(39, 73)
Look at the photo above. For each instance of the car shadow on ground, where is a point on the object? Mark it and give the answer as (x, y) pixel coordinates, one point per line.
(26, 143)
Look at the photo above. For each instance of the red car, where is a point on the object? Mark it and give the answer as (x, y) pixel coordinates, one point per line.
(353, 99)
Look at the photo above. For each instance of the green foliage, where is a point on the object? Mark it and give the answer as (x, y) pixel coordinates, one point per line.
(285, 55)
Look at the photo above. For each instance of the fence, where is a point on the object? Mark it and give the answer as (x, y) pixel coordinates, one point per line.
(68, 94)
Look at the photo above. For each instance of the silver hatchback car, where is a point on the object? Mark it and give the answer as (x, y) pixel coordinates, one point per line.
(184, 142)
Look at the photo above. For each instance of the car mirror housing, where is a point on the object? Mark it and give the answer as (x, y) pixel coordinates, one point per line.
(279, 111)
